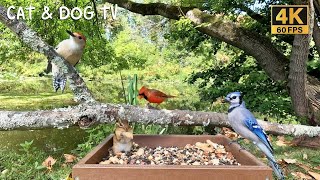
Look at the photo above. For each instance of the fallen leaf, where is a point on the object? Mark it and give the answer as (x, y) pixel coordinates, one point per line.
(282, 142)
(69, 177)
(304, 156)
(49, 162)
(229, 133)
(314, 175)
(247, 141)
(301, 175)
(317, 168)
(290, 161)
(69, 158)
(204, 146)
(305, 167)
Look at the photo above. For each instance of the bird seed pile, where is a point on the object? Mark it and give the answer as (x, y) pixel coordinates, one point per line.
(208, 153)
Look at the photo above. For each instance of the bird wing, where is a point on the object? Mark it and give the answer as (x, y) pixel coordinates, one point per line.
(254, 127)
(157, 93)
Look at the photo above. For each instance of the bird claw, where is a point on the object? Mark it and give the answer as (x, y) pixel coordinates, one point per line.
(148, 106)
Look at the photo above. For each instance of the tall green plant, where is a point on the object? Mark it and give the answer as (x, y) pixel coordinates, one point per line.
(133, 90)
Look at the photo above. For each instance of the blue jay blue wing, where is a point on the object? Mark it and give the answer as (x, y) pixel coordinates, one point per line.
(256, 129)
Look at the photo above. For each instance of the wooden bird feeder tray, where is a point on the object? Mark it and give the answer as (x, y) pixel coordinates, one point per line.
(251, 168)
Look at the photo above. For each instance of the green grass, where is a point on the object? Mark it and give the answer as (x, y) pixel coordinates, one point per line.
(37, 93)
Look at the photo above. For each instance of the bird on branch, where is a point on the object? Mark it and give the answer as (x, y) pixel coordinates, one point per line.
(153, 95)
(244, 123)
(71, 50)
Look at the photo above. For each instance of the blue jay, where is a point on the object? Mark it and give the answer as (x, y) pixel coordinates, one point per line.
(245, 124)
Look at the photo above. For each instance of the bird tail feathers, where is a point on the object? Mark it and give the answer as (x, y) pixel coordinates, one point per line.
(276, 169)
(59, 82)
(169, 96)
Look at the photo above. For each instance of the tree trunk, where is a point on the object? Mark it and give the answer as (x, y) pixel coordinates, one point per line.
(260, 47)
(85, 115)
(298, 68)
(316, 35)
(297, 74)
(28, 36)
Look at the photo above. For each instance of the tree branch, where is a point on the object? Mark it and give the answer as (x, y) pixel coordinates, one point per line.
(109, 113)
(258, 17)
(29, 37)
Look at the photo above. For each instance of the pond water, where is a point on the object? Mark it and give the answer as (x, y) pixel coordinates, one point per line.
(49, 140)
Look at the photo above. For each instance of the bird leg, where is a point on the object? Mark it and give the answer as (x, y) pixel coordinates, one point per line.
(148, 106)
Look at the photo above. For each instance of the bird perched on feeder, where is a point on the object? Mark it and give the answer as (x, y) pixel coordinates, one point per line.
(245, 124)
(71, 50)
(153, 95)
(122, 139)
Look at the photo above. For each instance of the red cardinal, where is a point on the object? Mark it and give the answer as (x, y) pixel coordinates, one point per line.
(153, 95)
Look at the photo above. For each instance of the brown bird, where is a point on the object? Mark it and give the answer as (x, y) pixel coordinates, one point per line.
(153, 95)
(122, 139)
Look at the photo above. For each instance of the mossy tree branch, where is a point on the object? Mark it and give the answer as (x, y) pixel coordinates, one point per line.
(30, 38)
(85, 115)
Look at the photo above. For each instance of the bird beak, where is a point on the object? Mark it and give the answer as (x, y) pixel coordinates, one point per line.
(225, 100)
(70, 33)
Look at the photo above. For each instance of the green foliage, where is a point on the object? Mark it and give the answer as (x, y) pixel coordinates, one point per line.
(261, 94)
(95, 136)
(132, 91)
(27, 146)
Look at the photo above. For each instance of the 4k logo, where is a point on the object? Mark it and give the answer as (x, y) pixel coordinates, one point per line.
(290, 19)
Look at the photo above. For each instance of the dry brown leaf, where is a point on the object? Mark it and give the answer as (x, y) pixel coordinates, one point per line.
(317, 168)
(305, 156)
(49, 162)
(229, 133)
(301, 175)
(314, 175)
(290, 161)
(305, 167)
(282, 142)
(69, 158)
(247, 141)
(204, 146)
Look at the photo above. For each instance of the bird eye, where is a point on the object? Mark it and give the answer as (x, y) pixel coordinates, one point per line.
(234, 97)
(80, 37)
